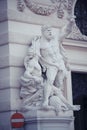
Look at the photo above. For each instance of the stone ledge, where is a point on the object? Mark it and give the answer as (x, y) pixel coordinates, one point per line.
(42, 114)
(52, 123)
(59, 119)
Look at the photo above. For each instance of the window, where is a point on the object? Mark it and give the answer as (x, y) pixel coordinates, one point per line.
(81, 15)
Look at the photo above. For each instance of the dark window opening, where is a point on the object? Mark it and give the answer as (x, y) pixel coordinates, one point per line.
(79, 89)
(81, 15)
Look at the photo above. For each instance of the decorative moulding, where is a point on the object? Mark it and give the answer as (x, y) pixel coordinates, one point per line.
(37, 8)
(40, 9)
(20, 5)
(63, 5)
(47, 8)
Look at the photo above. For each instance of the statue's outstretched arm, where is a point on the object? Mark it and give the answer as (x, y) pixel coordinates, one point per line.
(67, 28)
(64, 32)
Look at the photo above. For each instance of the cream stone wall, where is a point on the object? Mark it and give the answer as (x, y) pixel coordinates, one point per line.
(16, 30)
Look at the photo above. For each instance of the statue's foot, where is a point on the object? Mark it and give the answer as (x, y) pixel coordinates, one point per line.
(76, 107)
(45, 106)
(64, 108)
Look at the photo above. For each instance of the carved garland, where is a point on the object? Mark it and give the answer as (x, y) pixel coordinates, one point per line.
(20, 5)
(46, 10)
(64, 5)
(61, 5)
(40, 9)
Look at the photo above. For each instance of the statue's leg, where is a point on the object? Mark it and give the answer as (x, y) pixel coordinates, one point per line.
(59, 94)
(60, 102)
(59, 79)
(69, 106)
(46, 94)
(62, 73)
(51, 74)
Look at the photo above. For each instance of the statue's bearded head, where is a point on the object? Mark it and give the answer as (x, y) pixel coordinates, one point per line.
(47, 32)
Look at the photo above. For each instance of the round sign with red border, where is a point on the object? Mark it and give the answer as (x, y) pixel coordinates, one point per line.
(17, 120)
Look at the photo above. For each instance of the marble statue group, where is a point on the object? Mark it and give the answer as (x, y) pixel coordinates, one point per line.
(46, 67)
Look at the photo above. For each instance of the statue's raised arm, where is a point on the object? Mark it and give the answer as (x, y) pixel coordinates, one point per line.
(70, 17)
(67, 28)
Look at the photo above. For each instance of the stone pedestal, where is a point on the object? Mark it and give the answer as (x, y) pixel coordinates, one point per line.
(59, 123)
(48, 120)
